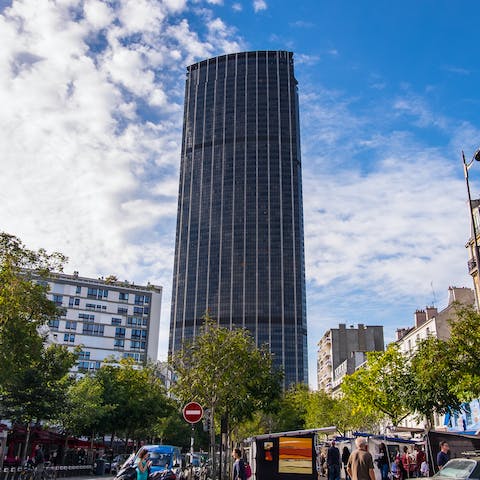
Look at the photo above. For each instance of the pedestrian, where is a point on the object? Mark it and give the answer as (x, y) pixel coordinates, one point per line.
(345, 457)
(39, 461)
(397, 469)
(443, 455)
(382, 461)
(419, 459)
(333, 462)
(424, 469)
(238, 465)
(143, 464)
(406, 462)
(360, 463)
(322, 464)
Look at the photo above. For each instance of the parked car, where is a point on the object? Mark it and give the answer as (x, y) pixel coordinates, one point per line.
(460, 469)
(118, 462)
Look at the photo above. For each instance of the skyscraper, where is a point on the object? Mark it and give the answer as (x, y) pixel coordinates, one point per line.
(239, 243)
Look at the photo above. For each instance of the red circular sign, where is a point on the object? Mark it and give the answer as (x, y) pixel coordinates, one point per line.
(192, 412)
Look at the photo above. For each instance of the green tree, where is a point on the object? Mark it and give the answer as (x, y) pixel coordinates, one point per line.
(134, 399)
(34, 375)
(227, 373)
(383, 385)
(463, 366)
(432, 390)
(324, 410)
(24, 306)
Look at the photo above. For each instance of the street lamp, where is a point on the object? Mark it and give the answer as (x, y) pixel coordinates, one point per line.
(466, 167)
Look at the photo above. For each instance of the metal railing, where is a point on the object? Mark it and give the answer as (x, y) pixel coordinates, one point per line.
(49, 473)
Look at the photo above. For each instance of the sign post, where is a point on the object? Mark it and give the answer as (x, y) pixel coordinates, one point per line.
(192, 413)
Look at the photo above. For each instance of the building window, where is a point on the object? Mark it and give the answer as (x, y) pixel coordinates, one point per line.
(116, 321)
(93, 329)
(88, 366)
(79, 290)
(138, 357)
(138, 334)
(122, 311)
(120, 332)
(97, 293)
(123, 296)
(69, 337)
(87, 317)
(58, 299)
(84, 355)
(139, 299)
(119, 343)
(133, 321)
(136, 345)
(138, 310)
(71, 325)
(54, 323)
(77, 302)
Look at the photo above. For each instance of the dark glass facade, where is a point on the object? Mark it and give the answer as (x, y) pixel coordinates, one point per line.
(239, 242)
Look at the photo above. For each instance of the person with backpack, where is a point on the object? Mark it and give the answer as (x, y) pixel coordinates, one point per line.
(238, 466)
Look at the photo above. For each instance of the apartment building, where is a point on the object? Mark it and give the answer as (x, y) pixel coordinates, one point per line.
(106, 318)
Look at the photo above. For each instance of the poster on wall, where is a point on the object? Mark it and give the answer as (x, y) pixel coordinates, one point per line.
(466, 419)
(295, 455)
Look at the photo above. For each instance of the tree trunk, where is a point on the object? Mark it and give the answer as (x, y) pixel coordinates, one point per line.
(27, 441)
(64, 453)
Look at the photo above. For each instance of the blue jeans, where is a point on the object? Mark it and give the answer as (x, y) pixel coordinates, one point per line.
(334, 472)
(384, 471)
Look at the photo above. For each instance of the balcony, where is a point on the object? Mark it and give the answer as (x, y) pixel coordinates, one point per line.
(472, 265)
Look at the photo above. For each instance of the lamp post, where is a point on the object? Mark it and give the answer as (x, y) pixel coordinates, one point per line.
(476, 253)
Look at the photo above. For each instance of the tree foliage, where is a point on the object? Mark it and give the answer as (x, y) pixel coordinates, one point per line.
(382, 385)
(224, 370)
(33, 374)
(463, 366)
(432, 390)
(324, 410)
(24, 306)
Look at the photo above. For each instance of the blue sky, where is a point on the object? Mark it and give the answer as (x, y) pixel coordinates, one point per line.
(91, 96)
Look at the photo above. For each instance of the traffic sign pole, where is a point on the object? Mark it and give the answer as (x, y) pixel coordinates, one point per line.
(192, 413)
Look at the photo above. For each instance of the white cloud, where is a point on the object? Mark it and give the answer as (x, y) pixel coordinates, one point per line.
(97, 13)
(90, 130)
(259, 5)
(237, 7)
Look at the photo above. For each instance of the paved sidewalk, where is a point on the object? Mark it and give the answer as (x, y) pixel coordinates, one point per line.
(89, 477)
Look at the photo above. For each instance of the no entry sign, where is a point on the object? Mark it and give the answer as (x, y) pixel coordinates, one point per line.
(192, 412)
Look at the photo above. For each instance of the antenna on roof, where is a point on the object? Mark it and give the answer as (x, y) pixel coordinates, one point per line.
(434, 301)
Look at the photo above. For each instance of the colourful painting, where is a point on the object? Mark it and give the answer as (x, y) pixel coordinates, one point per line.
(295, 455)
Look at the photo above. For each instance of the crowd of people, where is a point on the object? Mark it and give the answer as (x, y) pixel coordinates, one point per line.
(360, 464)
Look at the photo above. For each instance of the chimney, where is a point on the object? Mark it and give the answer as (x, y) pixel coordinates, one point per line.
(431, 312)
(401, 333)
(420, 318)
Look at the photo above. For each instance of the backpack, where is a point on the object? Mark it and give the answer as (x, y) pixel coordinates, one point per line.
(248, 471)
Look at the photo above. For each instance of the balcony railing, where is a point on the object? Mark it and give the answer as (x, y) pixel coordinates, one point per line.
(472, 265)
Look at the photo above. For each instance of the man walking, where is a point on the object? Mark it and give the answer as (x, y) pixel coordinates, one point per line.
(39, 460)
(333, 462)
(360, 463)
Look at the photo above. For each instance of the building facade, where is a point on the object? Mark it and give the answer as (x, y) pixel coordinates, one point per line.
(239, 242)
(473, 247)
(342, 350)
(430, 322)
(107, 318)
